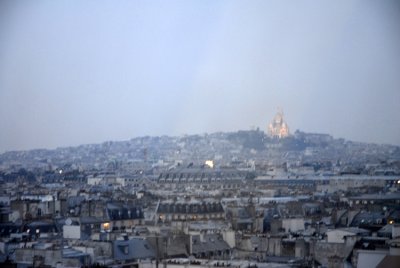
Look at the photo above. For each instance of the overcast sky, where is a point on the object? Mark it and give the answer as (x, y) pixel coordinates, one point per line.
(76, 72)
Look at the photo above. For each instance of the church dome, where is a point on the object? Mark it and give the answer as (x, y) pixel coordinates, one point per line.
(278, 128)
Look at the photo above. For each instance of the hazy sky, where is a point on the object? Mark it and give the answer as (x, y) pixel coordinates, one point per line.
(75, 72)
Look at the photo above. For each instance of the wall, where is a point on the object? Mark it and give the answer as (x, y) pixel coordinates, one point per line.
(370, 258)
(293, 225)
(51, 257)
(229, 237)
(337, 236)
(72, 231)
(395, 231)
(323, 251)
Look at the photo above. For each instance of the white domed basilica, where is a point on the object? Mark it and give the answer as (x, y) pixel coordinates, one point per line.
(278, 127)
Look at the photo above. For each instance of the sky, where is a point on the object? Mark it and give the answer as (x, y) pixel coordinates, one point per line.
(78, 72)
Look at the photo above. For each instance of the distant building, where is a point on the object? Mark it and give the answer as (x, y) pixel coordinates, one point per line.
(190, 210)
(278, 128)
(202, 176)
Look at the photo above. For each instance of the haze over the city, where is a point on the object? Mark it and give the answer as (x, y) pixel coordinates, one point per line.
(75, 72)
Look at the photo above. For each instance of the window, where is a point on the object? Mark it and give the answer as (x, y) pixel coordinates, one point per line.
(124, 249)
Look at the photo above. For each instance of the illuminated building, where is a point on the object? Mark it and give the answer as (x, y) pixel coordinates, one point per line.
(278, 127)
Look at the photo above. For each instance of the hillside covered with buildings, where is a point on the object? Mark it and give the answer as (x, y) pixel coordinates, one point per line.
(242, 199)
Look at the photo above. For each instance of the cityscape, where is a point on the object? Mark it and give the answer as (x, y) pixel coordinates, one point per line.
(254, 198)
